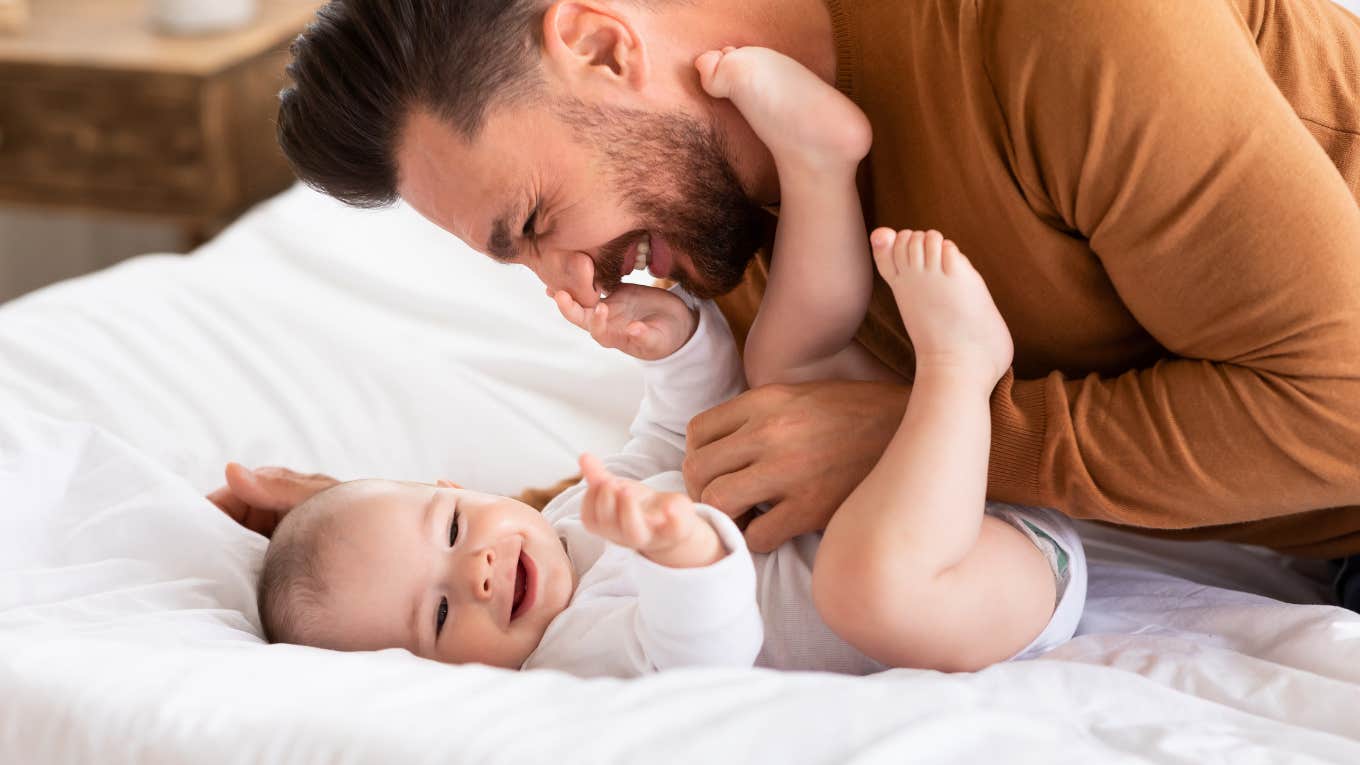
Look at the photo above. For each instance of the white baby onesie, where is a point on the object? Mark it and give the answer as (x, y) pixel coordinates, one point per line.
(630, 616)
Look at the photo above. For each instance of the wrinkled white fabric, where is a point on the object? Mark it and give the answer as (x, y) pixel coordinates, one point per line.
(370, 344)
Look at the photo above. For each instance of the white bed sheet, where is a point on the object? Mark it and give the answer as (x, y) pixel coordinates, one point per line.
(370, 344)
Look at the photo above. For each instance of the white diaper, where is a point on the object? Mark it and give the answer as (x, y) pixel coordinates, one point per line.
(1055, 536)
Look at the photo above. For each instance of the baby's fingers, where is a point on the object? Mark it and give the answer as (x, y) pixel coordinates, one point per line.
(632, 523)
(674, 516)
(606, 509)
(593, 469)
(589, 515)
(571, 310)
(599, 322)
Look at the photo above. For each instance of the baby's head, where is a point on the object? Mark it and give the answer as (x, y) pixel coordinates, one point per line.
(449, 574)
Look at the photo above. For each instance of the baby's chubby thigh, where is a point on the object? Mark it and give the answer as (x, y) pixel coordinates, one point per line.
(901, 611)
(862, 582)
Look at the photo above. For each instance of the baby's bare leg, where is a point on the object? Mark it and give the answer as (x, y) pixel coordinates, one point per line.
(910, 571)
(821, 275)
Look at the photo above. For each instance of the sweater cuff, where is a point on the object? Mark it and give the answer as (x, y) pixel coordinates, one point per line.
(1019, 419)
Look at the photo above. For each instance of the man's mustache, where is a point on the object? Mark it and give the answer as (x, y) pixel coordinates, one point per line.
(609, 264)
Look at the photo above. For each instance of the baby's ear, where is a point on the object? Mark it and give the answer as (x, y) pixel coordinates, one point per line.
(445, 483)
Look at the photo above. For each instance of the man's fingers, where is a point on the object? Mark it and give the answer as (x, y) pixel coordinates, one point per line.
(735, 493)
(708, 463)
(228, 503)
(259, 521)
(720, 421)
(783, 522)
(274, 488)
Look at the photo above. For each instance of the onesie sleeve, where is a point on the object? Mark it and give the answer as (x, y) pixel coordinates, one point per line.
(703, 373)
(700, 617)
(630, 616)
(1154, 131)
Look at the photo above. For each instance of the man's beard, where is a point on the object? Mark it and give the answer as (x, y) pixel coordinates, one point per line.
(672, 173)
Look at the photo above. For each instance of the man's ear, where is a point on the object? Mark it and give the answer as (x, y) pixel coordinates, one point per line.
(590, 45)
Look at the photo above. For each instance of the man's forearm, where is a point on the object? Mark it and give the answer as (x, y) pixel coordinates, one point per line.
(1185, 444)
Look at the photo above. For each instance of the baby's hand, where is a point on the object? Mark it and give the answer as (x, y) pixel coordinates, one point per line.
(646, 323)
(665, 528)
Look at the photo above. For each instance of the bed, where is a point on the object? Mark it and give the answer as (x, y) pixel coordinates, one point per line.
(370, 344)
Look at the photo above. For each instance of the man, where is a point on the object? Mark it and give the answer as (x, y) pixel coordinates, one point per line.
(1161, 197)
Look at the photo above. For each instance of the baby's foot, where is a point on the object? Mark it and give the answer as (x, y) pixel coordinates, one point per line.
(953, 323)
(802, 119)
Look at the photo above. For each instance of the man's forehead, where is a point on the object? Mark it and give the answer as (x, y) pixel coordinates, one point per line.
(464, 187)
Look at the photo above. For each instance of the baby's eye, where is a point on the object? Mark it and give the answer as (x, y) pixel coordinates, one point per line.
(441, 616)
(453, 530)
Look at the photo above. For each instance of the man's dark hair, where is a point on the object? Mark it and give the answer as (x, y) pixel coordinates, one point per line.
(363, 66)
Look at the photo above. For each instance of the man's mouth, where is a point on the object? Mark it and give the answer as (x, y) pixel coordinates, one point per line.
(649, 253)
(525, 578)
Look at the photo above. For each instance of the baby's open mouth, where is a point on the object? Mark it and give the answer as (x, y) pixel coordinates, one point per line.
(523, 586)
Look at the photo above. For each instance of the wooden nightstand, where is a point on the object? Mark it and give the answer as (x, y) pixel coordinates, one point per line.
(100, 114)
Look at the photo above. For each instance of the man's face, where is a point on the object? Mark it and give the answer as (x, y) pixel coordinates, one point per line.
(571, 191)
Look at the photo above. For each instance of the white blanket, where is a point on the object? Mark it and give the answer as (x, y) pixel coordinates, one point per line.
(370, 344)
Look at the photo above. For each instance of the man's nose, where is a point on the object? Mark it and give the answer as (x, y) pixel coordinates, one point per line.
(572, 271)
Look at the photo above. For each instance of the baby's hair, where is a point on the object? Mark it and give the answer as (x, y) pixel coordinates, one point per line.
(291, 586)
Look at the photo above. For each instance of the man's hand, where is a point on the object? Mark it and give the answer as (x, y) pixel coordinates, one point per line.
(802, 448)
(258, 499)
(646, 323)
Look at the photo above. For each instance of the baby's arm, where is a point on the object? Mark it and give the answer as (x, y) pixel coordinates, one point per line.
(694, 601)
(689, 365)
(676, 588)
(821, 275)
(665, 528)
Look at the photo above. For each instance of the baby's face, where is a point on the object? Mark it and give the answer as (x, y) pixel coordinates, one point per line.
(449, 574)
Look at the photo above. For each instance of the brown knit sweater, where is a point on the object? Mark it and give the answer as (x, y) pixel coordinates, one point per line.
(1151, 191)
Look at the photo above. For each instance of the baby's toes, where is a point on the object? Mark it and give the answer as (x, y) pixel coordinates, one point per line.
(934, 242)
(901, 243)
(952, 260)
(881, 242)
(915, 258)
(715, 84)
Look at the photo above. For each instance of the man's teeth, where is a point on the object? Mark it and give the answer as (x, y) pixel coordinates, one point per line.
(644, 249)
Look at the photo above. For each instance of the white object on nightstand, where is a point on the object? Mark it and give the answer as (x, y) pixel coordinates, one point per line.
(190, 17)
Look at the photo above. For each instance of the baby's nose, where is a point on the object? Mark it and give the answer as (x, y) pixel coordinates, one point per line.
(485, 571)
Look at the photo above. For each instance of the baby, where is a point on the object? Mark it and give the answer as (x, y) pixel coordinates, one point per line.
(624, 574)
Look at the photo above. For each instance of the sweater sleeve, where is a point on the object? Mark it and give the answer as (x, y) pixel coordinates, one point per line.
(1154, 131)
